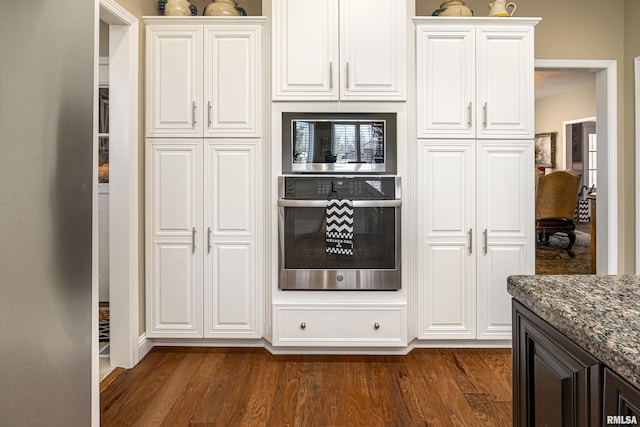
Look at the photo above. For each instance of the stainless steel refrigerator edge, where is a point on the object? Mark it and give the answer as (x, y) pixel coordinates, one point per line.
(46, 185)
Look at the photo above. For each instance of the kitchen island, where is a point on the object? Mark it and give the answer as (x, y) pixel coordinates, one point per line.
(576, 349)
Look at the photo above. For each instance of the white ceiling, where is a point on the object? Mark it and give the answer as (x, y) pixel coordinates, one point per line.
(553, 82)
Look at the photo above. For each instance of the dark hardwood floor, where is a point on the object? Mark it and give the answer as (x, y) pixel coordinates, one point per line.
(251, 387)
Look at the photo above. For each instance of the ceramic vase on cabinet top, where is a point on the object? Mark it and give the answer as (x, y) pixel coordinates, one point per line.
(176, 8)
(224, 8)
(453, 8)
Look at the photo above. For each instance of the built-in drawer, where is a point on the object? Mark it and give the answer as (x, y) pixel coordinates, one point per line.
(340, 325)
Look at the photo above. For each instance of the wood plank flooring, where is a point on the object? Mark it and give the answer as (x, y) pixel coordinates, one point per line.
(198, 387)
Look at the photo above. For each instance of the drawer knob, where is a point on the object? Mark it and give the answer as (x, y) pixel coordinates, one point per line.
(376, 325)
(303, 325)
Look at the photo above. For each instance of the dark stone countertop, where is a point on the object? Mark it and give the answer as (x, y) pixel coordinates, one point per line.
(599, 313)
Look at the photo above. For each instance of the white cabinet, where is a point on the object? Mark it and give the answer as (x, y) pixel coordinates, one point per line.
(339, 50)
(174, 227)
(475, 113)
(202, 237)
(204, 79)
(476, 206)
(447, 260)
(475, 77)
(204, 127)
(506, 240)
(230, 266)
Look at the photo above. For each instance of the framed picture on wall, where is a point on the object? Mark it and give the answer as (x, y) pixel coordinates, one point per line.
(545, 150)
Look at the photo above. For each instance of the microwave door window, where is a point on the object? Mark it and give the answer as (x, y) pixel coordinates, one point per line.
(373, 240)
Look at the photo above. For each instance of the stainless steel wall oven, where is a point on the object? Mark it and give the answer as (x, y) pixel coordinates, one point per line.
(305, 263)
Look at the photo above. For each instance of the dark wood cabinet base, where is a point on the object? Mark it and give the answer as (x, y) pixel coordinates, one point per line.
(555, 382)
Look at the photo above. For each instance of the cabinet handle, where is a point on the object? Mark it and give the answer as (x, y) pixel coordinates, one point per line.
(347, 78)
(469, 115)
(470, 241)
(208, 239)
(209, 113)
(376, 326)
(486, 242)
(193, 240)
(330, 74)
(303, 325)
(193, 114)
(484, 115)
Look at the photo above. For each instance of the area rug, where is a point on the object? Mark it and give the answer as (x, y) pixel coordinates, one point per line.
(554, 259)
(103, 319)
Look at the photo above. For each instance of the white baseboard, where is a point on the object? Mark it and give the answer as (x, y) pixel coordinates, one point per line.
(462, 344)
(144, 345)
(206, 342)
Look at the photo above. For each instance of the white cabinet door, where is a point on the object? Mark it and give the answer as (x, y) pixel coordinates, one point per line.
(174, 81)
(306, 58)
(445, 65)
(372, 50)
(230, 276)
(447, 290)
(506, 227)
(339, 50)
(233, 81)
(174, 235)
(475, 81)
(505, 67)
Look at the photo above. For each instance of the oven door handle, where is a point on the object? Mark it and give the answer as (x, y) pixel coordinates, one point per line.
(287, 203)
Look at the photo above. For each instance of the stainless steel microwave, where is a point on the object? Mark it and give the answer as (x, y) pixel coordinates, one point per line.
(339, 143)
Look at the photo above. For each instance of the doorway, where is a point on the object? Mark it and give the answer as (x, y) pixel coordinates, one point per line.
(567, 246)
(123, 215)
(606, 247)
(103, 202)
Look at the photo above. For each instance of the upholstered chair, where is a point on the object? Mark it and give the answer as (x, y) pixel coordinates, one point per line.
(556, 198)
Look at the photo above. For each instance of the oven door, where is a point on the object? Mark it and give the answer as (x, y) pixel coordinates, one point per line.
(305, 264)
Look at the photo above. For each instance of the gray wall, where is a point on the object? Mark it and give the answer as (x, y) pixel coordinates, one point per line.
(46, 158)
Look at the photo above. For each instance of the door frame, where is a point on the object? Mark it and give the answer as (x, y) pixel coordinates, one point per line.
(636, 70)
(606, 130)
(123, 184)
(565, 139)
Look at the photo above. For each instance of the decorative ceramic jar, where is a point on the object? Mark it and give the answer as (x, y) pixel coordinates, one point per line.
(453, 8)
(176, 8)
(224, 8)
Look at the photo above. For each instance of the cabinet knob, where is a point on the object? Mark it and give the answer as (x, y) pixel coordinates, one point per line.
(376, 326)
(303, 325)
